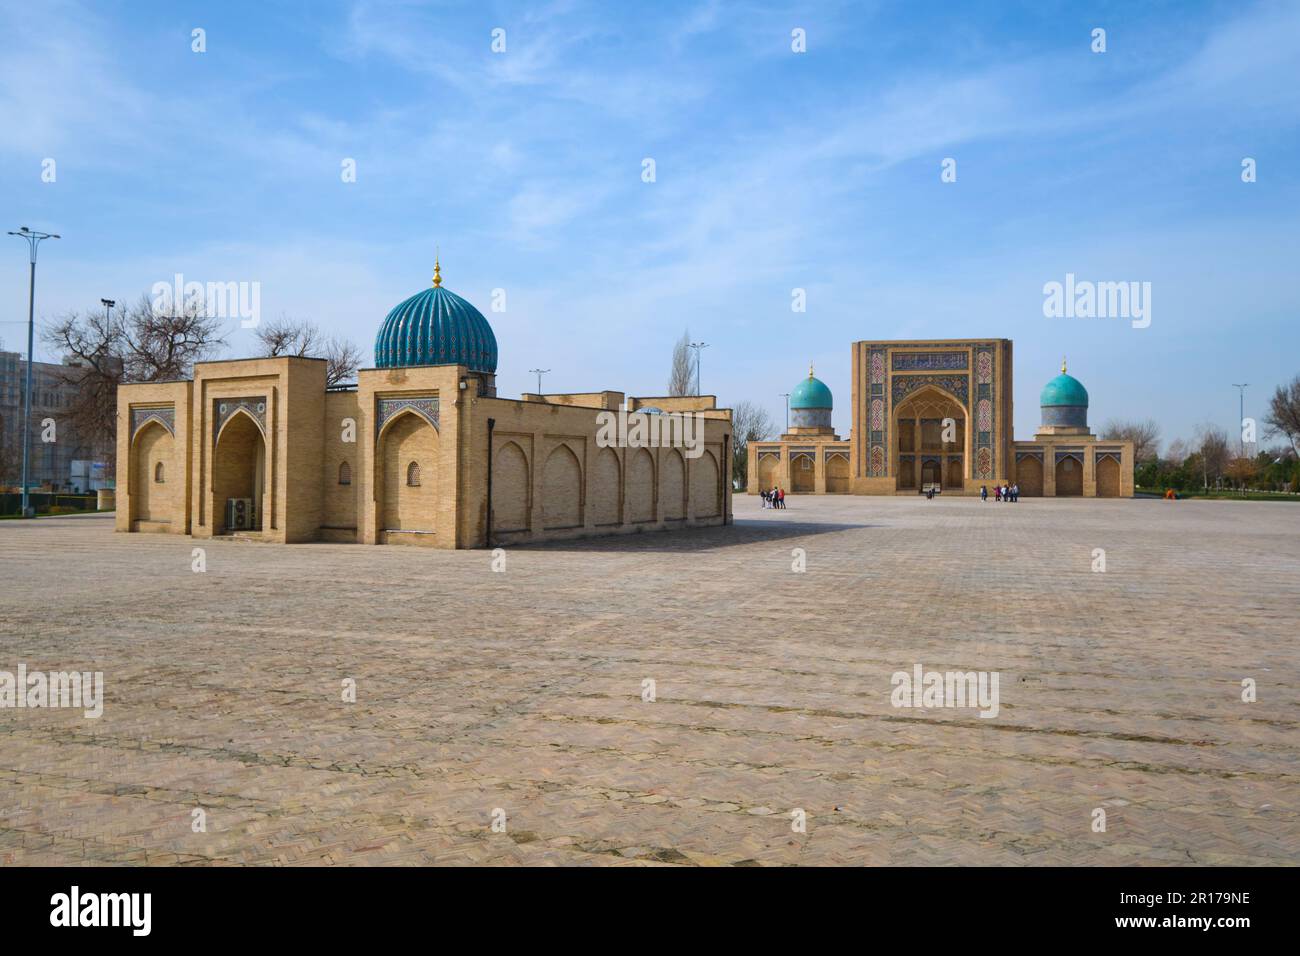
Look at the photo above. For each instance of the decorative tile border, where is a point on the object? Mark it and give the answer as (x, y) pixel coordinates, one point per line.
(878, 417)
(958, 385)
(163, 415)
(223, 408)
(930, 361)
(426, 406)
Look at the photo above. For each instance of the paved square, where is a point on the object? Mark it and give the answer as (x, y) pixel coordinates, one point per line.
(522, 690)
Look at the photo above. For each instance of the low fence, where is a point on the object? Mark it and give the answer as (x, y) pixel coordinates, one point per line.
(47, 503)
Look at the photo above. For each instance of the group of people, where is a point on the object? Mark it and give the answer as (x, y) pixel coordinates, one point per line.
(773, 498)
(1001, 493)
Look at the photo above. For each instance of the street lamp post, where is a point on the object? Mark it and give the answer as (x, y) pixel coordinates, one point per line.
(33, 240)
(540, 372)
(699, 348)
(1241, 414)
(786, 396)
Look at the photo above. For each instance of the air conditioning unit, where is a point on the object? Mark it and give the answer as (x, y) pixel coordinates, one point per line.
(240, 514)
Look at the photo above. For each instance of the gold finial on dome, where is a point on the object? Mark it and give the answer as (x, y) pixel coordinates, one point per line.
(1062, 364)
(810, 369)
(437, 272)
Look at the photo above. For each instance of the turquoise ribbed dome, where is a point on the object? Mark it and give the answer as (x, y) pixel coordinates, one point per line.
(811, 393)
(1064, 390)
(436, 327)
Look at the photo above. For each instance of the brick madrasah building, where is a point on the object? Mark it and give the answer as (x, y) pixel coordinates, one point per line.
(420, 451)
(938, 414)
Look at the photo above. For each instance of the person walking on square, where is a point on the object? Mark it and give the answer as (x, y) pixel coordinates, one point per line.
(997, 492)
(984, 492)
(1015, 493)
(780, 496)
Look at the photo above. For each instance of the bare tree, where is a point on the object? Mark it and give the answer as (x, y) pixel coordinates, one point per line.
(1212, 444)
(1176, 453)
(344, 359)
(136, 344)
(286, 336)
(683, 373)
(1283, 416)
(162, 345)
(91, 343)
(1145, 436)
(303, 338)
(749, 422)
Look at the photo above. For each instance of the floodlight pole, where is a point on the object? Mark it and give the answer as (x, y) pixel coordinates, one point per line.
(33, 240)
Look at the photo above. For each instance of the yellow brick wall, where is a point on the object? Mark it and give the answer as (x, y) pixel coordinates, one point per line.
(551, 478)
(641, 504)
(605, 487)
(169, 510)
(338, 501)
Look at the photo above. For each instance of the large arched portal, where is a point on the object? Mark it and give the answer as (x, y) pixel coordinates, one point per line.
(408, 459)
(239, 476)
(153, 482)
(929, 426)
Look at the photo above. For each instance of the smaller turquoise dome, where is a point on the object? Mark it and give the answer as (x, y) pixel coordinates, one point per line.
(436, 327)
(1064, 390)
(811, 393)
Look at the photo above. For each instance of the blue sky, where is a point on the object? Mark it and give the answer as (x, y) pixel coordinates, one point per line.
(774, 170)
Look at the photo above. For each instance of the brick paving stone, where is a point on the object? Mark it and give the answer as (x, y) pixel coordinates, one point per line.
(522, 691)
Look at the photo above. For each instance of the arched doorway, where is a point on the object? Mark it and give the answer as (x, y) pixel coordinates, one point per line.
(1029, 476)
(153, 481)
(239, 476)
(1108, 477)
(1069, 477)
(837, 475)
(767, 468)
(803, 478)
(408, 458)
(929, 428)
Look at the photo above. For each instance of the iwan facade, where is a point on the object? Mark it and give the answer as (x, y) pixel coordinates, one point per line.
(421, 451)
(937, 415)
